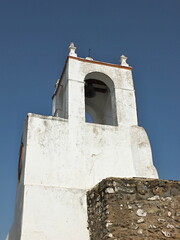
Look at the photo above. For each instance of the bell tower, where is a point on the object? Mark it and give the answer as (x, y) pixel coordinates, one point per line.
(103, 90)
(65, 154)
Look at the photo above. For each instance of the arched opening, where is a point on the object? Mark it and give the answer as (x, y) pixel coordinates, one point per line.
(100, 99)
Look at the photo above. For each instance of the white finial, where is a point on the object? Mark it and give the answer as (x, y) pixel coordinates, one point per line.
(89, 58)
(123, 60)
(72, 50)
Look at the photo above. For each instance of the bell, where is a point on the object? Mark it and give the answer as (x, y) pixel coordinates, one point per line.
(89, 90)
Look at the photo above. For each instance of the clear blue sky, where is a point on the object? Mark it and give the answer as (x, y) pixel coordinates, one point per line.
(34, 36)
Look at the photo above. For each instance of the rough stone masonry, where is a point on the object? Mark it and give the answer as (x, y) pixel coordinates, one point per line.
(134, 209)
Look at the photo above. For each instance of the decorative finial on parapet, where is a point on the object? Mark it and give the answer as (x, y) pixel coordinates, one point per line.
(123, 60)
(72, 50)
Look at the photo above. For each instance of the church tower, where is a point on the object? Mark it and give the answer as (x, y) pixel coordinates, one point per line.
(92, 134)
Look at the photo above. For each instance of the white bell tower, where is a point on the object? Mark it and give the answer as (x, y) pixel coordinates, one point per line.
(64, 155)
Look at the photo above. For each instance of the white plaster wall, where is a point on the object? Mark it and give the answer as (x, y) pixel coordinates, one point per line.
(54, 213)
(60, 104)
(141, 152)
(66, 157)
(126, 107)
(15, 231)
(69, 154)
(123, 84)
(64, 160)
(122, 78)
(73, 95)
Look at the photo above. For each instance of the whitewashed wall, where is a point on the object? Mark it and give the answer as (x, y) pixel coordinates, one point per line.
(66, 157)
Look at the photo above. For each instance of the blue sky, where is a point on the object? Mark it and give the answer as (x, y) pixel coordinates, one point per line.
(34, 37)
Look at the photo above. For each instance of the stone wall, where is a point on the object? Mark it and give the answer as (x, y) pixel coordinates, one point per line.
(134, 209)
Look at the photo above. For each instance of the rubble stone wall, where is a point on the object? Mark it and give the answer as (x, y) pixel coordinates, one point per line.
(134, 209)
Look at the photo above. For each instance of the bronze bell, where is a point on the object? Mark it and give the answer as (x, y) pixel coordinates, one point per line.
(89, 90)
